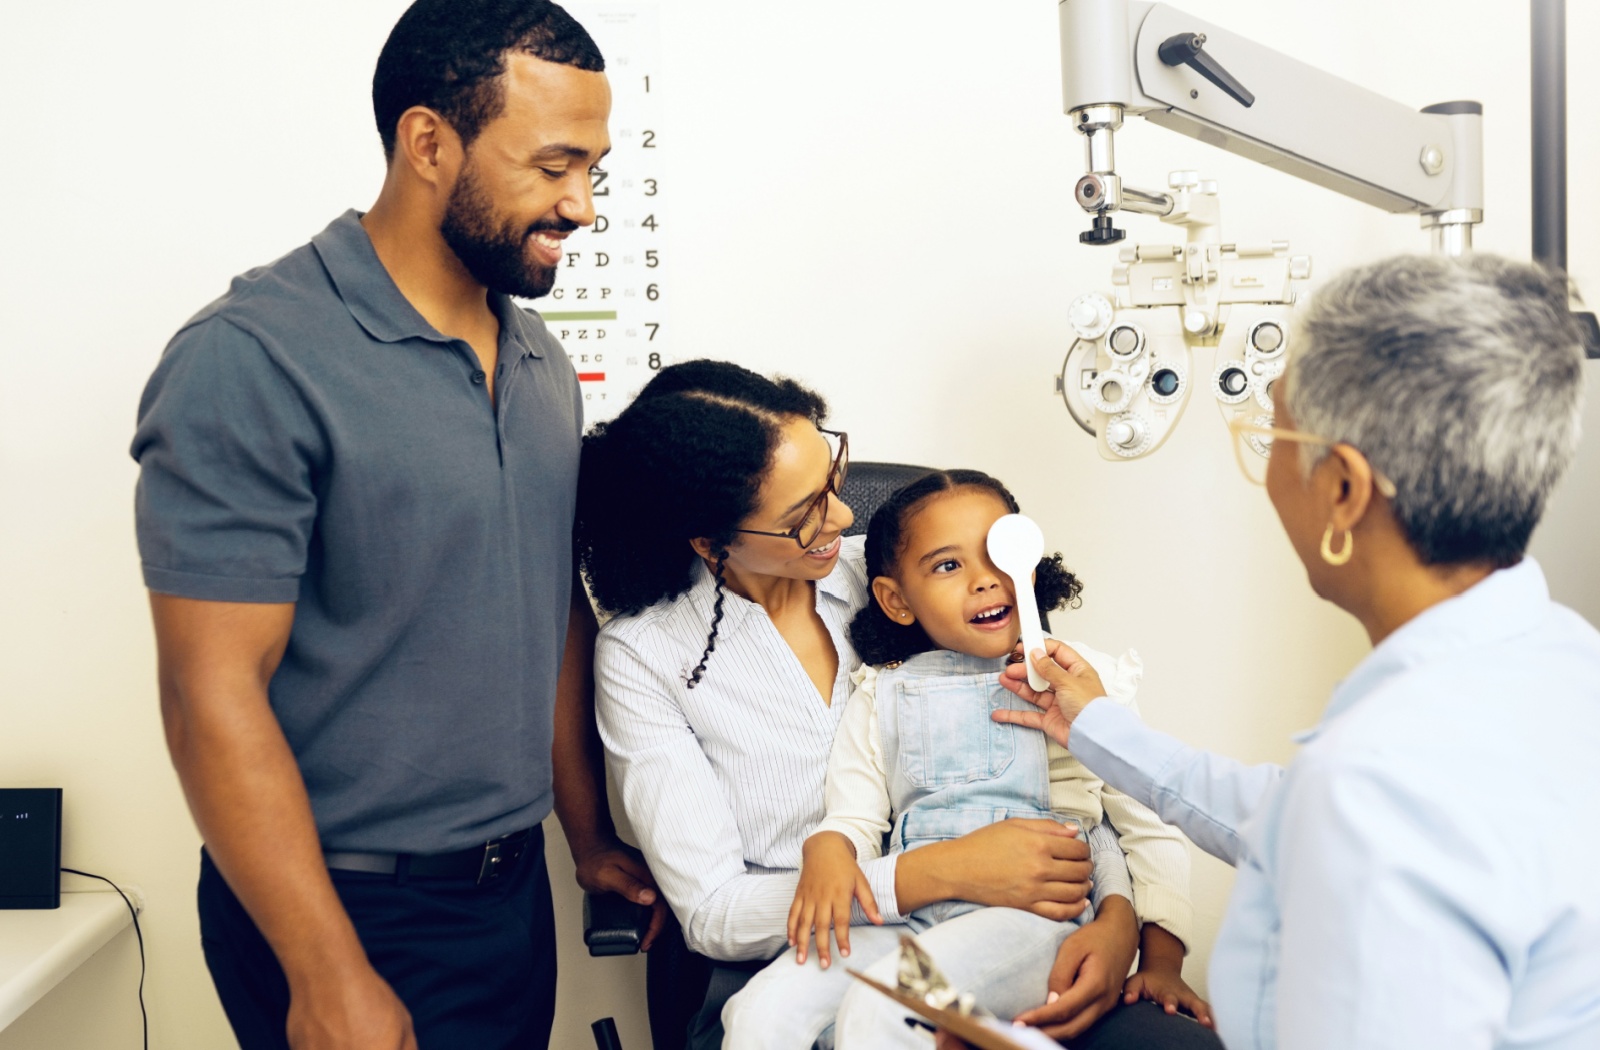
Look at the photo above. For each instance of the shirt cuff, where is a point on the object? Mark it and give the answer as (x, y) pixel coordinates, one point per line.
(866, 849)
(880, 877)
(205, 587)
(1165, 907)
(1110, 866)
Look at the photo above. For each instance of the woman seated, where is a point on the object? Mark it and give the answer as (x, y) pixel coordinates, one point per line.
(710, 526)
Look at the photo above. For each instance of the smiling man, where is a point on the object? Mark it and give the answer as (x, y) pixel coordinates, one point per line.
(357, 475)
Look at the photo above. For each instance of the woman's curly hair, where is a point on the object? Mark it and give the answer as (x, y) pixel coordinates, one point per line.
(684, 461)
(879, 640)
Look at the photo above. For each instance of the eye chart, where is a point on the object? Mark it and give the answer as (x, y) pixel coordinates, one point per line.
(608, 304)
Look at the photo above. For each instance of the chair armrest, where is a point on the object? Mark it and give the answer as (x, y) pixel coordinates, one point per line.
(612, 924)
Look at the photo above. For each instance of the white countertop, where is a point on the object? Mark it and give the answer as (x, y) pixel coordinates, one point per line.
(39, 948)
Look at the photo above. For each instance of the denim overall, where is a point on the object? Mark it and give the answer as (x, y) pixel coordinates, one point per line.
(952, 769)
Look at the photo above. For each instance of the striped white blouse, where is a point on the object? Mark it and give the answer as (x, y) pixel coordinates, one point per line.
(723, 782)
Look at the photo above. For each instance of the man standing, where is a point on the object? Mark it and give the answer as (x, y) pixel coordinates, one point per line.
(354, 513)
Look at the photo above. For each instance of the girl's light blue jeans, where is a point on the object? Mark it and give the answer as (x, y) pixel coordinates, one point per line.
(1001, 955)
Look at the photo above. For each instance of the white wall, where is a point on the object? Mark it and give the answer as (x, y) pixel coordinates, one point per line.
(870, 196)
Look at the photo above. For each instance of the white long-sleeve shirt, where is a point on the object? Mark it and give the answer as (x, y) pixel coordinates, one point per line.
(858, 801)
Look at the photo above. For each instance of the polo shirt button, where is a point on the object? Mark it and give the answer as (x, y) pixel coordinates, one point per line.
(477, 377)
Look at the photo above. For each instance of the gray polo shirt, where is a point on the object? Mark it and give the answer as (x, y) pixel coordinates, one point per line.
(310, 438)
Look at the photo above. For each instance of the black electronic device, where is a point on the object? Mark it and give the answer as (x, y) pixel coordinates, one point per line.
(30, 847)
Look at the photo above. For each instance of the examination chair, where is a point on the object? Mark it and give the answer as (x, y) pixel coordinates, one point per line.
(676, 978)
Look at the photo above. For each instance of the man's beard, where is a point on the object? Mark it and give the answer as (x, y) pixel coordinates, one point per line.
(495, 251)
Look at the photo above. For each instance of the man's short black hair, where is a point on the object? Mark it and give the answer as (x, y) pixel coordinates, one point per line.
(449, 55)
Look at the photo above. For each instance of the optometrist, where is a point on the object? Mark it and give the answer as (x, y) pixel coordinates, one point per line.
(1424, 873)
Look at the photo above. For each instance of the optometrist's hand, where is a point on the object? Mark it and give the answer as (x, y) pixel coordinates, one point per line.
(1073, 684)
(830, 879)
(1086, 980)
(617, 867)
(355, 1011)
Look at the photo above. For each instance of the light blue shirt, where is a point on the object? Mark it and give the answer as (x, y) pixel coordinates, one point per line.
(1426, 872)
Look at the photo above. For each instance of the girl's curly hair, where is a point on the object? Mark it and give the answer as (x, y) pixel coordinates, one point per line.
(685, 460)
(879, 640)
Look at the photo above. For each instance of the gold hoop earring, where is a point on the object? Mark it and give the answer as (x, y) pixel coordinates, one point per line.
(1344, 554)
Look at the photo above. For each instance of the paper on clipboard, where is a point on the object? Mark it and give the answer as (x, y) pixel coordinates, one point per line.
(984, 1034)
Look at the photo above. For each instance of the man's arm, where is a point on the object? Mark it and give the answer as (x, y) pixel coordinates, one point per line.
(249, 800)
(604, 863)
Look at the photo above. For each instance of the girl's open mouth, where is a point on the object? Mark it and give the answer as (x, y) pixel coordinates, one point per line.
(991, 618)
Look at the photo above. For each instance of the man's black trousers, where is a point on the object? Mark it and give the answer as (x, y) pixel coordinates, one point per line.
(474, 964)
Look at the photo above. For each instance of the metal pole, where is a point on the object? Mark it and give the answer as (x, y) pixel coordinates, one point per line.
(1549, 61)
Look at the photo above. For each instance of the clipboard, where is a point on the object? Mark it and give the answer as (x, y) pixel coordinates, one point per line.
(971, 1029)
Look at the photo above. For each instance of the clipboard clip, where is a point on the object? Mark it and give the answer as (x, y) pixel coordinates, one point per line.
(921, 979)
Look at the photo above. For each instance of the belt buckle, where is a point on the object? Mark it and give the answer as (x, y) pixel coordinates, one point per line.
(491, 862)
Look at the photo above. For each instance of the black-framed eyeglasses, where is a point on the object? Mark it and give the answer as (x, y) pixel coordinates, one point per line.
(816, 514)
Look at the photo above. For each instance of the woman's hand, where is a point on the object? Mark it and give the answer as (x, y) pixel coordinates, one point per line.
(1087, 978)
(1073, 684)
(1033, 864)
(829, 879)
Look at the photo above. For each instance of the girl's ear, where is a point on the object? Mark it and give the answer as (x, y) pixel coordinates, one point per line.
(702, 547)
(891, 601)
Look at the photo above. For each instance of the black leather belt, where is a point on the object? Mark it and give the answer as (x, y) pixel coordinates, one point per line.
(478, 863)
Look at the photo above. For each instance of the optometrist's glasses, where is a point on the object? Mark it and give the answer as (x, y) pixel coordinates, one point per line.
(816, 512)
(1252, 444)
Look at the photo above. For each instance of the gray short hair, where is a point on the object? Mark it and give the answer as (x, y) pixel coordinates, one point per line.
(1460, 379)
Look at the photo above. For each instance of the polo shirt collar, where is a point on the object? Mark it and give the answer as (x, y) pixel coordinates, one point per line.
(1505, 604)
(377, 303)
(515, 324)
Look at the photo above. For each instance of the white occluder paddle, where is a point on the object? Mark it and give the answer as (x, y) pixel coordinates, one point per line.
(1015, 547)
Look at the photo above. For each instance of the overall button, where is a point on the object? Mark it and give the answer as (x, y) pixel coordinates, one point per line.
(477, 377)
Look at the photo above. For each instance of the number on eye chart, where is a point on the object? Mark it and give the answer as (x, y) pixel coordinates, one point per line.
(612, 277)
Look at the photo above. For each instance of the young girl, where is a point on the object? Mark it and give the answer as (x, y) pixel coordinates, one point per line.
(918, 758)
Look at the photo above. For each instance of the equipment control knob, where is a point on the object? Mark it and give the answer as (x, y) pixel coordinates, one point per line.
(1128, 436)
(1124, 433)
(1090, 315)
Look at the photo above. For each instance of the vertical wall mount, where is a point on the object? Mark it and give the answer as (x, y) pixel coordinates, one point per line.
(1548, 63)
